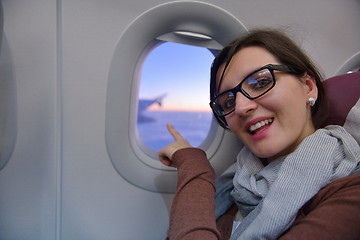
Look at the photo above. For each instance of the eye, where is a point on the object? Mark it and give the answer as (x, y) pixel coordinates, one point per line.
(227, 101)
(230, 103)
(260, 83)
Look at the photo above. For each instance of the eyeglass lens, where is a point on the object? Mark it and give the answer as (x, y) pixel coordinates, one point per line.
(258, 83)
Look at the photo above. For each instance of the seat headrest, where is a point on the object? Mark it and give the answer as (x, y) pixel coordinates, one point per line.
(343, 92)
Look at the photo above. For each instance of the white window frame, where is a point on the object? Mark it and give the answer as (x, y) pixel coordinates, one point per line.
(194, 23)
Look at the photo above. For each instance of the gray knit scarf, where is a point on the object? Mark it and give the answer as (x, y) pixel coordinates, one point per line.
(270, 197)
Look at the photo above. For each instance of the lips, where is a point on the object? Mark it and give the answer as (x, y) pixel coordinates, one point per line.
(260, 125)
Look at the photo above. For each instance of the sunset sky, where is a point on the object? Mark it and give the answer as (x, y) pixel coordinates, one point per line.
(182, 72)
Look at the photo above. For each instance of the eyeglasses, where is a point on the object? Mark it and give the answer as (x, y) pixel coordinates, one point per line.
(255, 85)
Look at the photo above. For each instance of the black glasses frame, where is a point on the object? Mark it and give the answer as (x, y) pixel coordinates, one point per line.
(239, 88)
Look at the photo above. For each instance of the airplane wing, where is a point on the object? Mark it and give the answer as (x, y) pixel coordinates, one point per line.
(145, 103)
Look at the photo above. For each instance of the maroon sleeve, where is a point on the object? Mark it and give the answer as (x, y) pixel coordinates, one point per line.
(334, 213)
(192, 213)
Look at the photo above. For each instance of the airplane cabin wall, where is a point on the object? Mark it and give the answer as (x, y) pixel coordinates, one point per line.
(28, 181)
(59, 183)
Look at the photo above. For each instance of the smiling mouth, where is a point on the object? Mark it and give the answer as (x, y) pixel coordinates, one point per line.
(259, 126)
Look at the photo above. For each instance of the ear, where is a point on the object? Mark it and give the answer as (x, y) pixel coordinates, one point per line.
(311, 89)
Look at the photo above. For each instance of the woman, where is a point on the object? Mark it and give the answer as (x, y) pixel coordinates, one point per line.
(291, 180)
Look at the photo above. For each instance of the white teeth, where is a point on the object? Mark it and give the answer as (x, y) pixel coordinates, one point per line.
(260, 124)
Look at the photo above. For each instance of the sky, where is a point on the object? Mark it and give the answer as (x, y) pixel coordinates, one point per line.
(182, 72)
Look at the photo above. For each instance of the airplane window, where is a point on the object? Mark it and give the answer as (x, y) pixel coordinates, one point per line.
(174, 88)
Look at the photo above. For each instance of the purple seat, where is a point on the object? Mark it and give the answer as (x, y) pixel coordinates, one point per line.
(343, 91)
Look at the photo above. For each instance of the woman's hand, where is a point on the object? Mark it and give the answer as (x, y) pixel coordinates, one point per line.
(165, 154)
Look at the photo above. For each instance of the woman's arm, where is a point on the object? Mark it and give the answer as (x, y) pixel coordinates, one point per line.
(334, 213)
(193, 210)
(192, 213)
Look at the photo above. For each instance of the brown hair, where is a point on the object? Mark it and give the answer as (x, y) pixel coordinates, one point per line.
(286, 51)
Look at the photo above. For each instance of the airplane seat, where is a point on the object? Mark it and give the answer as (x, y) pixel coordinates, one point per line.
(343, 92)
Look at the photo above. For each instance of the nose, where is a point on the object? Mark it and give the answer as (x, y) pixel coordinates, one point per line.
(243, 105)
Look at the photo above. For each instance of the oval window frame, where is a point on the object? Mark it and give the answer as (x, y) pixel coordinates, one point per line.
(164, 21)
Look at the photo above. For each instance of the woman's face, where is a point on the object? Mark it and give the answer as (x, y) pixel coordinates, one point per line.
(283, 113)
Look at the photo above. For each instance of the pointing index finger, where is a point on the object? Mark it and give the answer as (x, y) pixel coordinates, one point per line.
(176, 135)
